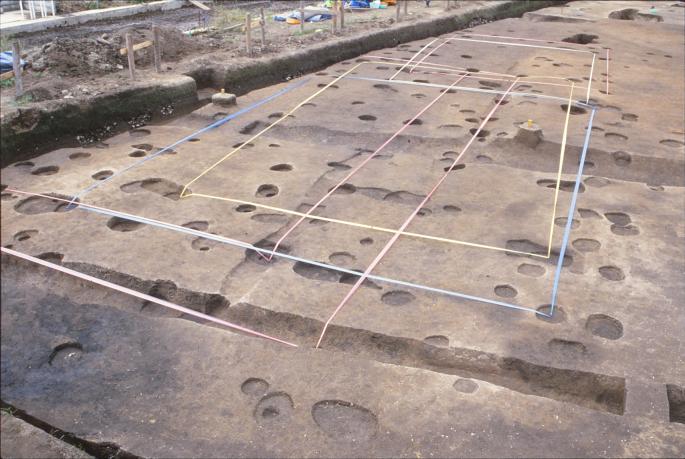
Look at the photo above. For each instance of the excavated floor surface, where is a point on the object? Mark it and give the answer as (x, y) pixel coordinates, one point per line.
(401, 371)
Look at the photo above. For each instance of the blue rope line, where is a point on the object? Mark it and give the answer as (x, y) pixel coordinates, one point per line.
(188, 137)
(249, 246)
(214, 237)
(571, 211)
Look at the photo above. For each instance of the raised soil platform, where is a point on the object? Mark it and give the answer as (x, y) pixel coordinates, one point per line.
(401, 371)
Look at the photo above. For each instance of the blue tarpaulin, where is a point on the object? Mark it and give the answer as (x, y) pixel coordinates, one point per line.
(6, 61)
(315, 17)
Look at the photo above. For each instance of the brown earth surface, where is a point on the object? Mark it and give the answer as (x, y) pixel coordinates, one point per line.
(80, 61)
(402, 371)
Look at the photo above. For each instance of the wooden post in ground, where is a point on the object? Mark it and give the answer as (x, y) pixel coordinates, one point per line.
(248, 33)
(262, 23)
(16, 67)
(157, 48)
(447, 5)
(341, 8)
(301, 17)
(334, 20)
(397, 12)
(131, 56)
(406, 7)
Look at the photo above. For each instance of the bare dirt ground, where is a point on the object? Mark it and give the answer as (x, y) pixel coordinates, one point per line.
(84, 60)
(402, 371)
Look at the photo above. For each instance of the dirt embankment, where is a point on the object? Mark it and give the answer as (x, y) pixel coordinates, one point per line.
(88, 55)
(82, 97)
(81, 61)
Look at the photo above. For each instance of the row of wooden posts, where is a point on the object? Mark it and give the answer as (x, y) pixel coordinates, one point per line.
(131, 48)
(261, 23)
(338, 20)
(128, 51)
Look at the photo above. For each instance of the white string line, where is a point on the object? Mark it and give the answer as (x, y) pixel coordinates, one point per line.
(412, 58)
(594, 54)
(464, 88)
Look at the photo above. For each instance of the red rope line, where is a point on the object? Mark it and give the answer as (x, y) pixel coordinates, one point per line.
(362, 164)
(397, 234)
(142, 296)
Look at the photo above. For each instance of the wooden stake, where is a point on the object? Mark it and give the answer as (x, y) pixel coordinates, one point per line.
(447, 5)
(16, 66)
(136, 47)
(7, 75)
(262, 22)
(131, 56)
(397, 13)
(248, 33)
(342, 14)
(334, 21)
(157, 48)
(301, 17)
(200, 5)
(406, 7)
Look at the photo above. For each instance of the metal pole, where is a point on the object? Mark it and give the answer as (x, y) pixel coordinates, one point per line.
(406, 7)
(342, 15)
(16, 66)
(397, 12)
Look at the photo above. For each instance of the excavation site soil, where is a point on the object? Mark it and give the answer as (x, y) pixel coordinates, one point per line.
(467, 246)
(83, 61)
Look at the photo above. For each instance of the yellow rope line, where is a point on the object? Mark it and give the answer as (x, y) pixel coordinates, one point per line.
(365, 226)
(185, 187)
(185, 193)
(308, 99)
(561, 166)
